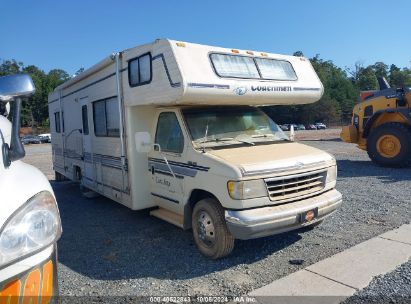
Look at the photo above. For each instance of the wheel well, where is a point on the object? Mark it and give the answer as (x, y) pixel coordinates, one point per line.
(195, 196)
(382, 117)
(77, 173)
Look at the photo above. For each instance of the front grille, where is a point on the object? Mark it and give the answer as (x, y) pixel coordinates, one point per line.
(288, 187)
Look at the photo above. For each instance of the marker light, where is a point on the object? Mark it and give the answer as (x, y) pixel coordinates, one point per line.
(235, 51)
(32, 228)
(264, 54)
(250, 53)
(181, 44)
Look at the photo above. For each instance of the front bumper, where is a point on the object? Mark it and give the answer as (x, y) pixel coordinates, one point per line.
(260, 222)
(37, 283)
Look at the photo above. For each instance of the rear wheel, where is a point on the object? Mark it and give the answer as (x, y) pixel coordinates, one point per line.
(211, 235)
(390, 145)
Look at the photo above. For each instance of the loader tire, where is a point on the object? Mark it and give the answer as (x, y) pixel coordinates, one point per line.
(211, 235)
(389, 145)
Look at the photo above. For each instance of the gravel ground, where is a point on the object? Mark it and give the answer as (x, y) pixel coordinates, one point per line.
(394, 287)
(107, 249)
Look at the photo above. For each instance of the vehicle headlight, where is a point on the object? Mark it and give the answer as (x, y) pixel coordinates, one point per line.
(331, 174)
(33, 227)
(247, 189)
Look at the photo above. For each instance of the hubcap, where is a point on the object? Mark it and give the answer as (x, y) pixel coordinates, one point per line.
(388, 146)
(206, 230)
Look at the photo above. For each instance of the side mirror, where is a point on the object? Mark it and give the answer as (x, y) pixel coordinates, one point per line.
(143, 142)
(13, 88)
(18, 85)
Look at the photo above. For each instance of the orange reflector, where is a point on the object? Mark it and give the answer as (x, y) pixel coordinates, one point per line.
(10, 293)
(31, 290)
(250, 53)
(36, 285)
(235, 51)
(181, 44)
(47, 284)
(264, 54)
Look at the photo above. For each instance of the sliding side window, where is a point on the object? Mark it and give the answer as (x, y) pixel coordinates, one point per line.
(140, 70)
(106, 117)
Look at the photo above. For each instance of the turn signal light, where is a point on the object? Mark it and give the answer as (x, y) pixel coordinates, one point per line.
(37, 285)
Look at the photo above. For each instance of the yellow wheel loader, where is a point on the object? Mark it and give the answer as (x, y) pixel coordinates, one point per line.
(381, 125)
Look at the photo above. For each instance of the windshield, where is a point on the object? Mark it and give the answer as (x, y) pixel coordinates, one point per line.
(213, 126)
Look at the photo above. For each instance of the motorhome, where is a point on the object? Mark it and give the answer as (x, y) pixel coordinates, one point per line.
(175, 127)
(29, 218)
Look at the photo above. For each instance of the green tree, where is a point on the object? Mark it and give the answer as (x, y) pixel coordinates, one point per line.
(367, 79)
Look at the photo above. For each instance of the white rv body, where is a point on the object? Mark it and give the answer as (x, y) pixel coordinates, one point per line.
(167, 77)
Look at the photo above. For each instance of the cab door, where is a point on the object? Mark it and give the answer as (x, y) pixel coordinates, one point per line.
(166, 162)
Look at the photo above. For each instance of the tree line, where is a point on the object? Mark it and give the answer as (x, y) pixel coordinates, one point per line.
(341, 90)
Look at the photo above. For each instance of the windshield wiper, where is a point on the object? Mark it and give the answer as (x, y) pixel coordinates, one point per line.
(269, 135)
(203, 140)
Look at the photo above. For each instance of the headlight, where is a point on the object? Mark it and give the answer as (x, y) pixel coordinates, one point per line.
(247, 189)
(33, 227)
(331, 174)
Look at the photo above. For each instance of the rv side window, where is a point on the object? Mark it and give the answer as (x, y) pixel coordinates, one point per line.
(169, 135)
(57, 122)
(84, 116)
(106, 117)
(234, 66)
(62, 120)
(113, 117)
(140, 70)
(275, 69)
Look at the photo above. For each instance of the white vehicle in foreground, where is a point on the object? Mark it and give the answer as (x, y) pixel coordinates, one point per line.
(29, 218)
(175, 126)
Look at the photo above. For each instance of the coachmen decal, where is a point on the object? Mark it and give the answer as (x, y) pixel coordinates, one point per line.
(240, 91)
(271, 88)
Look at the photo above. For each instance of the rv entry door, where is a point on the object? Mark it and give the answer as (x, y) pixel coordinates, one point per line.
(166, 162)
(88, 172)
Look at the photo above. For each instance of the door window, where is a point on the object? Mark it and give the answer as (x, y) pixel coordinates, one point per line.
(169, 135)
(85, 119)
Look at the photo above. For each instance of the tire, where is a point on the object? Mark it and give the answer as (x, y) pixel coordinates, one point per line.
(210, 232)
(389, 145)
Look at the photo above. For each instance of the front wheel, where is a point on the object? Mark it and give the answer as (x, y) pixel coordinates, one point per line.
(211, 235)
(390, 145)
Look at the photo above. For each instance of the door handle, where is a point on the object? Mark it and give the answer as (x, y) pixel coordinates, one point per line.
(152, 170)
